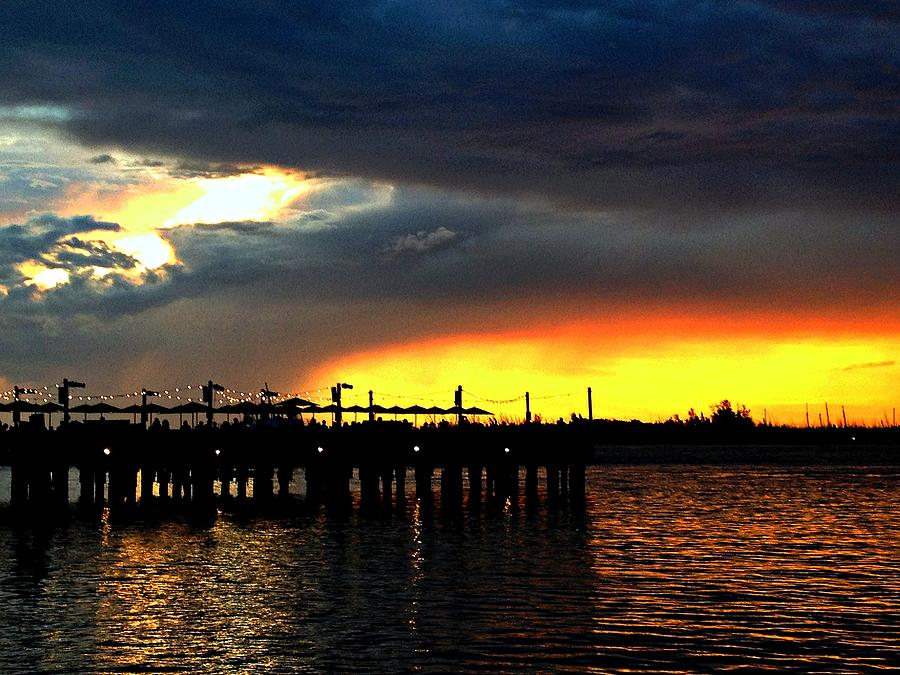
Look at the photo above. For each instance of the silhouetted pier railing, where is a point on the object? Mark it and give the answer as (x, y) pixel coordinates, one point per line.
(124, 466)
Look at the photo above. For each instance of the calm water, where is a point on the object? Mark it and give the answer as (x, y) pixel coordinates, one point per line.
(674, 569)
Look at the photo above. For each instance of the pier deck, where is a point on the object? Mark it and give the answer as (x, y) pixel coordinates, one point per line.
(127, 465)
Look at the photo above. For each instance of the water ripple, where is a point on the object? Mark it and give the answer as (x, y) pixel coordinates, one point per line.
(672, 569)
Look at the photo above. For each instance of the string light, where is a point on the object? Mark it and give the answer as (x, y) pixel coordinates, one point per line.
(315, 395)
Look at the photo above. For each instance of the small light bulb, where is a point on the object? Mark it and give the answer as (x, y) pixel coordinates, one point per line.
(415, 448)
(506, 450)
(106, 451)
(218, 452)
(321, 449)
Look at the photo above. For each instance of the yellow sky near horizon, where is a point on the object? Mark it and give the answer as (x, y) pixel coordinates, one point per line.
(638, 369)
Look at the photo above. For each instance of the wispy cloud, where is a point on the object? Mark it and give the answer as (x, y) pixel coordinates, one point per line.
(873, 364)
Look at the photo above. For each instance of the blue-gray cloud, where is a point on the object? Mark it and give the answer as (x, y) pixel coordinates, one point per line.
(37, 238)
(638, 104)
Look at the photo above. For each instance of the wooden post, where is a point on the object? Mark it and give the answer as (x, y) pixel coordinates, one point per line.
(371, 407)
(387, 475)
(86, 478)
(527, 407)
(61, 484)
(490, 483)
(451, 487)
(512, 490)
(241, 475)
(225, 472)
(285, 474)
(99, 485)
(163, 479)
(262, 482)
(19, 487)
(423, 481)
(147, 475)
(368, 487)
(590, 405)
(400, 472)
(577, 493)
(552, 484)
(531, 486)
(475, 486)
(312, 474)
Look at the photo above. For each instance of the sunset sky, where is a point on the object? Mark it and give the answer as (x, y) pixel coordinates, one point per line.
(670, 202)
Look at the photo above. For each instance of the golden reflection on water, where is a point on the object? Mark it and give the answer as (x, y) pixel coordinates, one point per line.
(669, 570)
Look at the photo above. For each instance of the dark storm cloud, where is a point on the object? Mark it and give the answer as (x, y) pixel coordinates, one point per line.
(636, 104)
(210, 170)
(103, 159)
(424, 246)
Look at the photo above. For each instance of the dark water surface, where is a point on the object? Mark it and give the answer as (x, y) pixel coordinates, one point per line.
(671, 569)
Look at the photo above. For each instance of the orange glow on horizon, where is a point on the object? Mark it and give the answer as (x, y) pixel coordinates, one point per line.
(648, 367)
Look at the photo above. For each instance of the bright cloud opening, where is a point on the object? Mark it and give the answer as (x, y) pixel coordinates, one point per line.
(148, 249)
(47, 278)
(245, 197)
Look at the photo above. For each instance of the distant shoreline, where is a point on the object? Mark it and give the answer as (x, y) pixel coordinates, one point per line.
(737, 455)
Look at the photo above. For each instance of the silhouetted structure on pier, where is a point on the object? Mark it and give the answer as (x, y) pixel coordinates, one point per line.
(125, 465)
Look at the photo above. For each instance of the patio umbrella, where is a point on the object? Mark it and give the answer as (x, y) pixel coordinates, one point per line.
(95, 408)
(476, 411)
(21, 407)
(397, 410)
(241, 408)
(50, 408)
(355, 409)
(415, 411)
(294, 402)
(157, 409)
(83, 408)
(191, 408)
(134, 409)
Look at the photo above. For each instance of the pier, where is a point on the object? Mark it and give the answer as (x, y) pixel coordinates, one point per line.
(129, 467)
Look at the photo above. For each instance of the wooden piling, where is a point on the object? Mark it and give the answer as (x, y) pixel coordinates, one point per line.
(552, 484)
(400, 473)
(577, 485)
(241, 476)
(368, 486)
(387, 475)
(531, 483)
(60, 478)
(285, 475)
(262, 482)
(148, 473)
(424, 473)
(99, 485)
(474, 475)
(86, 479)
